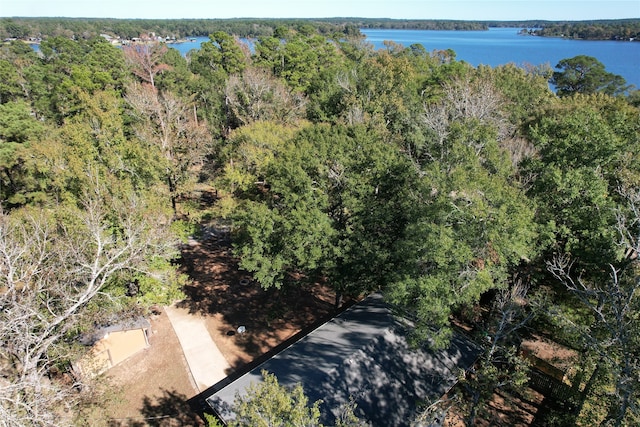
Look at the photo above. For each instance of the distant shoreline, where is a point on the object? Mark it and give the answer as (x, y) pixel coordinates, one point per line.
(183, 29)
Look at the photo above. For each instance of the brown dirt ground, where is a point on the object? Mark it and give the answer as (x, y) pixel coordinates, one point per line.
(558, 356)
(503, 410)
(154, 385)
(229, 299)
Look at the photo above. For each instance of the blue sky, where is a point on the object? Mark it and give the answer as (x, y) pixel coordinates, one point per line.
(417, 9)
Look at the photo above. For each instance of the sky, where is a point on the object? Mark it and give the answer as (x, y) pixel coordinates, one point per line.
(574, 10)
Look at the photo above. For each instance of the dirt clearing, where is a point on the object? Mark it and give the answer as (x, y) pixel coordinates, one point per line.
(155, 384)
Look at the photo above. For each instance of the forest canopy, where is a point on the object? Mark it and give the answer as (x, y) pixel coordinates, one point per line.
(465, 195)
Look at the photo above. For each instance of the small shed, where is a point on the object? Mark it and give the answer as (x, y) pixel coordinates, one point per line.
(113, 344)
(362, 355)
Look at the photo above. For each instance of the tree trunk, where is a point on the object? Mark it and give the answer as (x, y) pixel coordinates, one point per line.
(338, 301)
(589, 386)
(471, 419)
(172, 192)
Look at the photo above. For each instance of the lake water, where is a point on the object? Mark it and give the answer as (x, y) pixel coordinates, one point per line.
(193, 43)
(499, 46)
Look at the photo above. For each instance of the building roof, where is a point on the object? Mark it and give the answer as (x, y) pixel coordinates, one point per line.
(96, 335)
(362, 354)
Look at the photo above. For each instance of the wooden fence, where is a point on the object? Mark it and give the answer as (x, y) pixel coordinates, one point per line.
(553, 388)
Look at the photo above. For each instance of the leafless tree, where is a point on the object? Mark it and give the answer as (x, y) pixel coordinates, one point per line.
(257, 95)
(465, 98)
(145, 60)
(169, 124)
(52, 264)
(473, 98)
(434, 415)
(614, 303)
(510, 314)
(500, 367)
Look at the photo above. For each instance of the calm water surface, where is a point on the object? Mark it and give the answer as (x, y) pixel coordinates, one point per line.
(185, 47)
(499, 46)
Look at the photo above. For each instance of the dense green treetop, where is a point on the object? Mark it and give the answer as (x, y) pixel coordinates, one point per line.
(397, 170)
(475, 225)
(585, 74)
(334, 205)
(222, 53)
(587, 148)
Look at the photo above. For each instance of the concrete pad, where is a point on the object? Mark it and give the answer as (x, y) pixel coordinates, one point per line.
(206, 363)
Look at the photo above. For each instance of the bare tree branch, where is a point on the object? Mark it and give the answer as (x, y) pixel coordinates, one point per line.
(51, 265)
(614, 303)
(144, 60)
(166, 122)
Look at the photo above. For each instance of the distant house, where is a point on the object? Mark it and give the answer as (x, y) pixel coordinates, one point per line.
(113, 344)
(361, 354)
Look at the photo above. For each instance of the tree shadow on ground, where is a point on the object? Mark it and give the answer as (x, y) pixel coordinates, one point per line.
(172, 409)
(218, 287)
(513, 408)
(552, 412)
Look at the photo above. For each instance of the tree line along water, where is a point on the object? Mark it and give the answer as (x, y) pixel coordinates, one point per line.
(499, 46)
